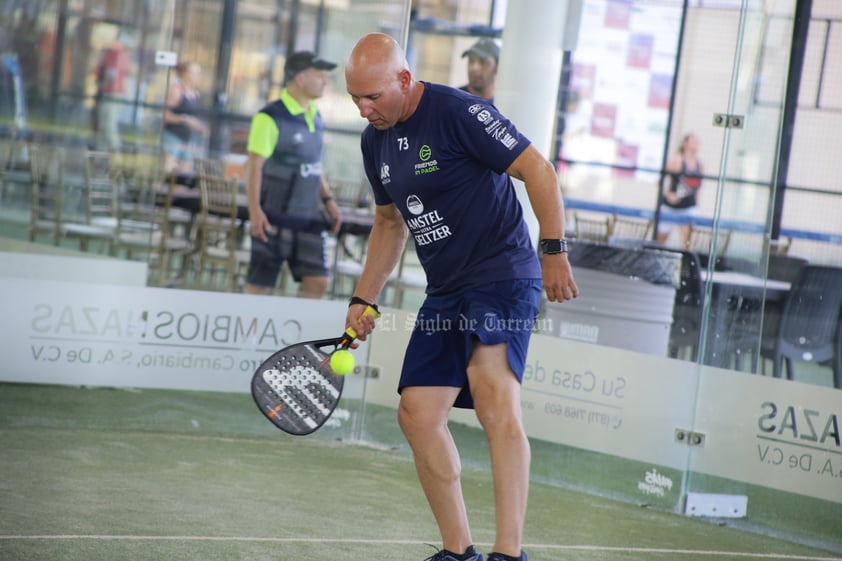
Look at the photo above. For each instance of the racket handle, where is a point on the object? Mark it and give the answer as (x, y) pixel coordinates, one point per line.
(350, 333)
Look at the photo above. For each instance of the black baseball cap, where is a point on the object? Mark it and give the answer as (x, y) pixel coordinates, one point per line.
(484, 48)
(300, 61)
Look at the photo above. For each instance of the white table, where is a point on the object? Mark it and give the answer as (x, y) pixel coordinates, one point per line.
(745, 280)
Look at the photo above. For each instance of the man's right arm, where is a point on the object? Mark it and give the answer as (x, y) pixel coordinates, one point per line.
(263, 137)
(385, 246)
(254, 178)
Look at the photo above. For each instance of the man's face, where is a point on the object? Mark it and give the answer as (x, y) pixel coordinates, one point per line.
(313, 82)
(481, 72)
(379, 96)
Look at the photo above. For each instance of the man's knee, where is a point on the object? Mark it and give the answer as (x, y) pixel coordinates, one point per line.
(497, 406)
(418, 415)
(313, 287)
(409, 418)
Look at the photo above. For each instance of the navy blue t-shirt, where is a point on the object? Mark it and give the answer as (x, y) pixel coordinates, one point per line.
(444, 169)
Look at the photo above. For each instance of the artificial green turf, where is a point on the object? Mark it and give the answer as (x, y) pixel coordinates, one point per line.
(104, 474)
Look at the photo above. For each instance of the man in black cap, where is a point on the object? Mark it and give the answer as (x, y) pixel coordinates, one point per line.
(483, 57)
(286, 186)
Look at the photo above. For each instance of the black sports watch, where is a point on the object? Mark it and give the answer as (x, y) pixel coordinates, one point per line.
(552, 247)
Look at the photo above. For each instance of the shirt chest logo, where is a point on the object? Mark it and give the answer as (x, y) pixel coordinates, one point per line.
(426, 227)
(428, 164)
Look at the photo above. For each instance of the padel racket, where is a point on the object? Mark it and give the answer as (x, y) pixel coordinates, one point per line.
(296, 389)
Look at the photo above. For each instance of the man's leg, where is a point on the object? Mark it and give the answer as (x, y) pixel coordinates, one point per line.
(112, 125)
(496, 393)
(264, 266)
(255, 289)
(312, 287)
(309, 264)
(684, 236)
(101, 141)
(422, 415)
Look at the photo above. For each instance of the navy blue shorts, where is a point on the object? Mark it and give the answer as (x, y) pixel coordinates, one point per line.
(447, 326)
(304, 252)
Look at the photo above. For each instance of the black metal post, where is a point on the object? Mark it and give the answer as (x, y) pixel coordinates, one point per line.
(218, 140)
(292, 30)
(58, 57)
(800, 28)
(668, 133)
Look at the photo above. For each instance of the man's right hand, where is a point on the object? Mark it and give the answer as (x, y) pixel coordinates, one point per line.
(260, 225)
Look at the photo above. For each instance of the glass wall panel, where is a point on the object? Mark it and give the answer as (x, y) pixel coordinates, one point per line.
(84, 80)
(756, 291)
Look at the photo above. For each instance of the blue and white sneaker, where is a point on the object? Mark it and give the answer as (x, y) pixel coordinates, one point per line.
(470, 554)
(494, 556)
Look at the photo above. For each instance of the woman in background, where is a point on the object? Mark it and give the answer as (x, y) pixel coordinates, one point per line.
(679, 195)
(183, 130)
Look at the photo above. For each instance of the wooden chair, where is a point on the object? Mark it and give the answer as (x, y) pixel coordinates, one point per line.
(101, 203)
(348, 259)
(144, 230)
(220, 233)
(701, 240)
(144, 187)
(11, 148)
(174, 241)
(350, 194)
(631, 228)
(348, 248)
(780, 246)
(209, 167)
(588, 228)
(47, 193)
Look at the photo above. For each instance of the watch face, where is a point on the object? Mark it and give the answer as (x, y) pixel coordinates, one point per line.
(553, 246)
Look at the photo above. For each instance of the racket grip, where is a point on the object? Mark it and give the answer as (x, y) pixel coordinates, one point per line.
(350, 333)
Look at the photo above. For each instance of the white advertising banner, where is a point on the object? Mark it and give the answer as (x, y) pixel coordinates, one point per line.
(759, 430)
(756, 429)
(113, 335)
(771, 432)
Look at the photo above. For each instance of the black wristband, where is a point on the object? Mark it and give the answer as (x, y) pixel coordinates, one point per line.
(326, 200)
(357, 300)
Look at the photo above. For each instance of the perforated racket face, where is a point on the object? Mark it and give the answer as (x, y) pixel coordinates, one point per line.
(296, 389)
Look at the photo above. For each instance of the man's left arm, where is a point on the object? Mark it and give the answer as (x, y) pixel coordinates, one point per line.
(542, 188)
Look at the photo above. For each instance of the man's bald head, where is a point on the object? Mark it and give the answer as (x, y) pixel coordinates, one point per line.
(376, 51)
(378, 78)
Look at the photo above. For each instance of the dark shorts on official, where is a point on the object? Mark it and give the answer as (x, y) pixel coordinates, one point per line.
(304, 252)
(446, 327)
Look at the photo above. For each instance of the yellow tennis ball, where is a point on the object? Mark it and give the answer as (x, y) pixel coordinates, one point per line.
(342, 362)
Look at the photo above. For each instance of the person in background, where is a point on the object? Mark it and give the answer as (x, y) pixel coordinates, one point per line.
(440, 163)
(680, 194)
(183, 130)
(111, 73)
(286, 183)
(483, 57)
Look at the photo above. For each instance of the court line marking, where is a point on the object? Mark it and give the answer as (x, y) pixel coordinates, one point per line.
(651, 550)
